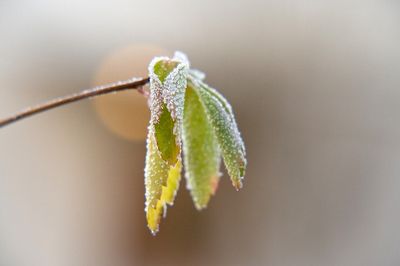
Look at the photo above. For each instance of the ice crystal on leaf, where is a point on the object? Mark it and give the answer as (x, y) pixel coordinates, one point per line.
(188, 115)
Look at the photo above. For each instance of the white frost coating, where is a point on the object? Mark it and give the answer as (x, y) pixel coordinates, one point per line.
(229, 110)
(225, 105)
(153, 168)
(181, 57)
(197, 74)
(156, 88)
(172, 91)
(155, 99)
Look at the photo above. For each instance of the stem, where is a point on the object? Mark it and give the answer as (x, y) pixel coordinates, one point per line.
(133, 83)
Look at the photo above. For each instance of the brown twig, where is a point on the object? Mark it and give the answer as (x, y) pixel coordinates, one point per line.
(133, 83)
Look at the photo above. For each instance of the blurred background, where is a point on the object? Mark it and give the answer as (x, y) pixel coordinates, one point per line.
(315, 89)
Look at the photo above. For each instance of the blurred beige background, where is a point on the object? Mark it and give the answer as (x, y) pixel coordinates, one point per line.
(315, 89)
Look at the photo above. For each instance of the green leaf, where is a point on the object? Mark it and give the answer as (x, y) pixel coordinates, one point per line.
(165, 137)
(201, 152)
(163, 67)
(225, 127)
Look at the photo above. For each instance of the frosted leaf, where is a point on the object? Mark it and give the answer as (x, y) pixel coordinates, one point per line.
(197, 74)
(168, 81)
(182, 57)
(161, 182)
(222, 118)
(229, 110)
(201, 151)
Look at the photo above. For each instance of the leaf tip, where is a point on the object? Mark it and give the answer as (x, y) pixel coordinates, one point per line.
(153, 219)
(200, 206)
(237, 184)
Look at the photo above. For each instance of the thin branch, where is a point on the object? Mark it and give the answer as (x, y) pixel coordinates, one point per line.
(133, 83)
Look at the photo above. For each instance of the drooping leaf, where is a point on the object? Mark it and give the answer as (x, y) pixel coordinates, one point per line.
(201, 151)
(225, 128)
(161, 181)
(168, 79)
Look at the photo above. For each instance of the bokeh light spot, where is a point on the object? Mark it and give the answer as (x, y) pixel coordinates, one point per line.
(125, 113)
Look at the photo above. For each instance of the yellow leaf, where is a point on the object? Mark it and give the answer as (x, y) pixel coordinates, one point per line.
(162, 182)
